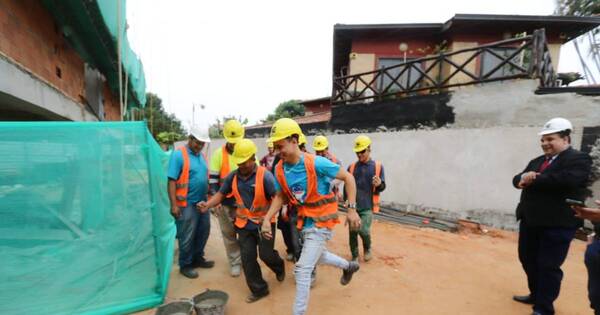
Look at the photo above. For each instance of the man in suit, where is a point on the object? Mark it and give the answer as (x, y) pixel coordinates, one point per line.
(548, 224)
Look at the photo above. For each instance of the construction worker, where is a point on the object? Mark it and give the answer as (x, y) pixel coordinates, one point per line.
(592, 254)
(303, 180)
(302, 143)
(321, 147)
(548, 224)
(221, 164)
(187, 185)
(269, 158)
(370, 182)
(252, 187)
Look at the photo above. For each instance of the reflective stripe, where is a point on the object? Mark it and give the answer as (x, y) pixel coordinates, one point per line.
(213, 181)
(180, 198)
(326, 217)
(181, 185)
(319, 203)
(258, 209)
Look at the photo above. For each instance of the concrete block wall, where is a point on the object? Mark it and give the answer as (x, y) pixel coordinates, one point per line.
(452, 173)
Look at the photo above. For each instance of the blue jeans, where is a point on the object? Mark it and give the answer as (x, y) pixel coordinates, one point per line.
(313, 251)
(193, 229)
(592, 262)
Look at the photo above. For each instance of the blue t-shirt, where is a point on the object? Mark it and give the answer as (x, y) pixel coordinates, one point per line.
(198, 185)
(295, 176)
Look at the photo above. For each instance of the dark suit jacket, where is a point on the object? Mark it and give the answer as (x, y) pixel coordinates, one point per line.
(543, 202)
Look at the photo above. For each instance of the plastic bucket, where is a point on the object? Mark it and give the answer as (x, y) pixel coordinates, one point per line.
(184, 307)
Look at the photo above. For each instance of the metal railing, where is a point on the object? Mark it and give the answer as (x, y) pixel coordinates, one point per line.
(523, 57)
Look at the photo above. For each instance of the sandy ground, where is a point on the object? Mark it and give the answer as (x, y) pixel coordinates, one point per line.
(414, 271)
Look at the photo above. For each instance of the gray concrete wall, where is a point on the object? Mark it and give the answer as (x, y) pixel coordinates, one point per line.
(513, 103)
(36, 96)
(452, 173)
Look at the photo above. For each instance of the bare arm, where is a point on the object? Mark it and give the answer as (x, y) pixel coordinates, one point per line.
(171, 187)
(275, 206)
(352, 217)
(213, 201)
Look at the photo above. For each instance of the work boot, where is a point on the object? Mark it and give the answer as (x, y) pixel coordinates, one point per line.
(525, 299)
(353, 267)
(368, 255)
(235, 271)
(255, 297)
(203, 263)
(188, 272)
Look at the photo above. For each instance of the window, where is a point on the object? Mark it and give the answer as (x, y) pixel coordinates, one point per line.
(490, 61)
(407, 79)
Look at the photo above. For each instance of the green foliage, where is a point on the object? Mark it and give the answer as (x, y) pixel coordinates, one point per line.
(168, 137)
(578, 7)
(161, 122)
(288, 109)
(216, 129)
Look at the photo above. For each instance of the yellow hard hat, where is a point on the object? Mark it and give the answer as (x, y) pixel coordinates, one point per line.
(320, 143)
(283, 128)
(361, 143)
(233, 131)
(243, 150)
(302, 139)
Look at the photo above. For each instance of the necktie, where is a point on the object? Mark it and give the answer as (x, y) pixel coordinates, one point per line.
(545, 164)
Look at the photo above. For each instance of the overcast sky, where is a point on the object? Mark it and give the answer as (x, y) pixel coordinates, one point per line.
(245, 57)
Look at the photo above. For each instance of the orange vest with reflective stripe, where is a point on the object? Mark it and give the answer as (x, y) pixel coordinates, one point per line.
(260, 204)
(182, 183)
(225, 169)
(323, 209)
(375, 195)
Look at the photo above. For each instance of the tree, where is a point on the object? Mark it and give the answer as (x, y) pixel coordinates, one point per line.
(161, 122)
(216, 129)
(583, 8)
(288, 109)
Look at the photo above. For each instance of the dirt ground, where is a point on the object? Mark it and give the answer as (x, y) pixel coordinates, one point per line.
(414, 271)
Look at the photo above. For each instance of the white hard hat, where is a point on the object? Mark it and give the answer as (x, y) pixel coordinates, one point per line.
(555, 125)
(200, 133)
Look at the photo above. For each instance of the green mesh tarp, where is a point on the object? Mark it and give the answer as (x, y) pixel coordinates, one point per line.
(84, 218)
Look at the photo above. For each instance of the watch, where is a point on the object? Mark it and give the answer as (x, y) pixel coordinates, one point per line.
(351, 206)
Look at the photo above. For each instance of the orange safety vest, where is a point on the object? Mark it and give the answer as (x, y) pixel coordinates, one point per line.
(375, 195)
(182, 183)
(260, 204)
(225, 169)
(323, 209)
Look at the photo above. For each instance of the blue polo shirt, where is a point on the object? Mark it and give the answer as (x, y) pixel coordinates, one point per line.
(295, 176)
(198, 185)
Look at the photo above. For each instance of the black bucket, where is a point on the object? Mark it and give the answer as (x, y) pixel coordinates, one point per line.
(184, 307)
(210, 302)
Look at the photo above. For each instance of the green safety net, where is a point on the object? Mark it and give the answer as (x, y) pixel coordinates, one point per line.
(84, 218)
(132, 65)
